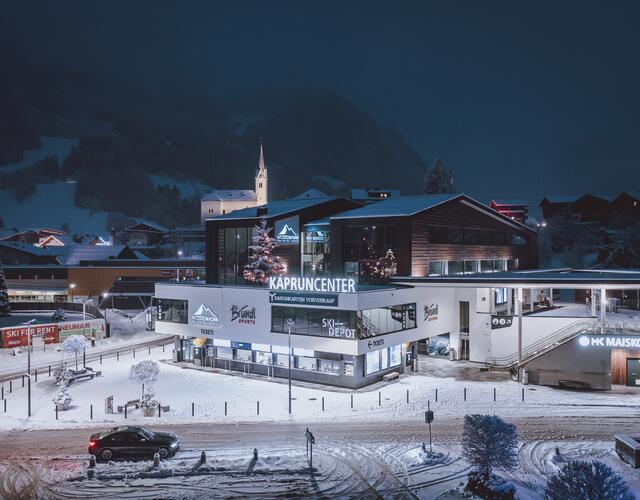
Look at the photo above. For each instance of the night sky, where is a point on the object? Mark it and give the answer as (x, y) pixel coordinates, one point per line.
(521, 99)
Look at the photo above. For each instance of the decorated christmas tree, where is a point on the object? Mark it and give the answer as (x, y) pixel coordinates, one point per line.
(262, 261)
(5, 309)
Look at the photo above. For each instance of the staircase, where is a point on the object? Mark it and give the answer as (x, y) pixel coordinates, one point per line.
(544, 345)
(366, 327)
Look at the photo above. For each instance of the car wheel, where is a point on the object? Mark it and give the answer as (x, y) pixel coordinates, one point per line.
(106, 454)
(163, 452)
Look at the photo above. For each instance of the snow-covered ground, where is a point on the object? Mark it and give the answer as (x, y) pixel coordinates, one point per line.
(180, 387)
(188, 188)
(50, 146)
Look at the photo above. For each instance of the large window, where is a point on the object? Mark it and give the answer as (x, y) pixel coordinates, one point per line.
(368, 242)
(233, 252)
(376, 361)
(501, 296)
(172, 310)
(343, 324)
(466, 236)
(315, 253)
(372, 362)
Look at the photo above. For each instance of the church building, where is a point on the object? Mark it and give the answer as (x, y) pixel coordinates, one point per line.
(223, 201)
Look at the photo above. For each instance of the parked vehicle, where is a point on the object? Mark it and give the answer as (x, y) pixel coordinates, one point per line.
(132, 442)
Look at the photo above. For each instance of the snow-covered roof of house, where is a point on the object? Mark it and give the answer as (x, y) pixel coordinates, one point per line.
(508, 202)
(310, 193)
(27, 248)
(72, 255)
(274, 208)
(146, 226)
(365, 194)
(230, 195)
(398, 206)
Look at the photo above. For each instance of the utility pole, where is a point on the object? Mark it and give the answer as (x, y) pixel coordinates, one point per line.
(289, 324)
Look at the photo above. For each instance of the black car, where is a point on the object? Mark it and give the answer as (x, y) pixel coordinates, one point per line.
(132, 442)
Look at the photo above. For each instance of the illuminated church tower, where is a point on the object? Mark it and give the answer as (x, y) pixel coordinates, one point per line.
(261, 180)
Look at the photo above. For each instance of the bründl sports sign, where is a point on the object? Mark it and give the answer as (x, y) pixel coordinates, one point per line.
(205, 316)
(244, 315)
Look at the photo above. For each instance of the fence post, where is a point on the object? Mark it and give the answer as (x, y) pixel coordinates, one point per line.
(258, 407)
(436, 395)
(193, 409)
(125, 410)
(117, 355)
(322, 403)
(523, 394)
(100, 358)
(407, 396)
(225, 408)
(91, 412)
(56, 412)
(379, 398)
(159, 410)
(351, 400)
(465, 393)
(49, 370)
(494, 394)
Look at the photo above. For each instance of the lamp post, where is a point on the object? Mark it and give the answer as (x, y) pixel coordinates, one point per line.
(178, 267)
(289, 325)
(72, 286)
(104, 300)
(28, 325)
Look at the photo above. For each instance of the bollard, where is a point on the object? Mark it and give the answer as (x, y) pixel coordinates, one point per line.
(225, 408)
(156, 460)
(92, 462)
(125, 411)
(2, 391)
(56, 412)
(91, 473)
(407, 396)
(322, 403)
(258, 407)
(36, 374)
(117, 355)
(134, 353)
(193, 409)
(465, 393)
(91, 412)
(49, 370)
(523, 394)
(255, 453)
(203, 458)
(5, 406)
(10, 386)
(352, 401)
(149, 353)
(436, 395)
(379, 398)
(162, 347)
(100, 358)
(23, 381)
(494, 394)
(159, 410)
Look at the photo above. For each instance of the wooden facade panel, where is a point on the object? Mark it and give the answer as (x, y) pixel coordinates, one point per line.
(619, 364)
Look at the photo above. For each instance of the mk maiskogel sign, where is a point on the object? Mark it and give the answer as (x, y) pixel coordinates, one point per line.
(615, 341)
(292, 284)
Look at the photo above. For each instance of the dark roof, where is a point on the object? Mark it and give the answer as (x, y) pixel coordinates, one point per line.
(143, 226)
(365, 194)
(28, 248)
(549, 277)
(275, 208)
(560, 198)
(508, 202)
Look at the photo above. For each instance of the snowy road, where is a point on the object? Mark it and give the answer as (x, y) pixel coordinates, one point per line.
(369, 459)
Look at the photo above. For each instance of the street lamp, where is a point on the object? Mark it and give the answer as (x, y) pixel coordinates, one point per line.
(72, 286)
(104, 299)
(28, 325)
(290, 323)
(178, 267)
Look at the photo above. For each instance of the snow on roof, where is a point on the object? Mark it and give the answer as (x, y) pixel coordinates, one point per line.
(27, 248)
(310, 193)
(72, 255)
(365, 194)
(398, 206)
(145, 225)
(230, 194)
(274, 208)
(507, 201)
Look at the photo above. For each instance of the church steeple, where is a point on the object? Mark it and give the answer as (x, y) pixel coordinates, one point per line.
(261, 179)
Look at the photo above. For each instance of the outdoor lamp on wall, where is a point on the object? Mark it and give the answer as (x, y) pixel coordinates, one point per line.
(72, 286)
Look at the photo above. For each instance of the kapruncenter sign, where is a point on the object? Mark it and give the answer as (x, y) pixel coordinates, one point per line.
(337, 285)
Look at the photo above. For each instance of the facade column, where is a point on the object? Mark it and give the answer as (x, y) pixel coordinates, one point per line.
(519, 302)
(593, 303)
(603, 307)
(550, 297)
(532, 299)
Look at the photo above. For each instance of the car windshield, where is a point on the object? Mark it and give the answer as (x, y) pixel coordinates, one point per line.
(147, 433)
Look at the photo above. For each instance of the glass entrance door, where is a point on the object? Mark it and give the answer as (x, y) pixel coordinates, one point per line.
(464, 330)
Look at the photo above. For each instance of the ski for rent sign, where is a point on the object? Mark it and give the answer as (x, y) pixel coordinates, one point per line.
(18, 336)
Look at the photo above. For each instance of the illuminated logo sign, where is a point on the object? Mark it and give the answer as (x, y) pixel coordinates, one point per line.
(315, 237)
(205, 316)
(612, 341)
(337, 285)
(431, 312)
(243, 315)
(499, 321)
(287, 232)
(338, 329)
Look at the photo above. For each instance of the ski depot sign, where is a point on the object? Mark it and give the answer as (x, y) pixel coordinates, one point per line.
(336, 285)
(611, 341)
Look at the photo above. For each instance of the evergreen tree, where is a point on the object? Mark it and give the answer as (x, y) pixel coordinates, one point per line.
(5, 308)
(437, 181)
(489, 442)
(262, 260)
(589, 481)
